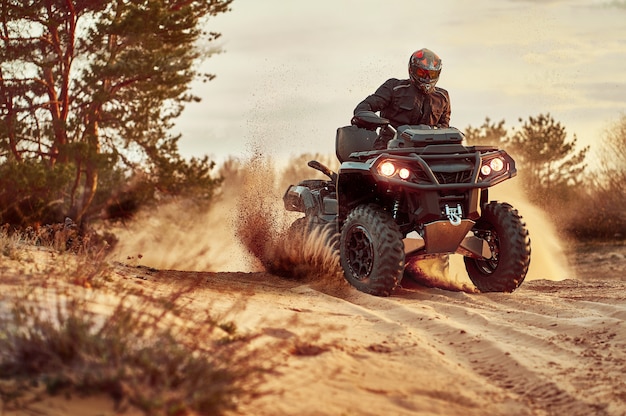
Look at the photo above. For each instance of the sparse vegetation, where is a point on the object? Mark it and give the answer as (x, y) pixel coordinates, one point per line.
(67, 327)
(599, 208)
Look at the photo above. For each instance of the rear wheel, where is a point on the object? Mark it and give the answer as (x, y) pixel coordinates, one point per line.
(502, 227)
(372, 251)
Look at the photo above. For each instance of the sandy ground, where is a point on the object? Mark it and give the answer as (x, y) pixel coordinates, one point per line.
(553, 347)
(550, 348)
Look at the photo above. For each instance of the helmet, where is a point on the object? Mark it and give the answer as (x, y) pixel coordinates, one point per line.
(424, 69)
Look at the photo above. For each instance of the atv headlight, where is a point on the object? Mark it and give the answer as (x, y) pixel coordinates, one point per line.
(387, 169)
(496, 164)
(490, 166)
(394, 170)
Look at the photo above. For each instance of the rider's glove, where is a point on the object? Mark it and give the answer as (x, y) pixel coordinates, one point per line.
(362, 124)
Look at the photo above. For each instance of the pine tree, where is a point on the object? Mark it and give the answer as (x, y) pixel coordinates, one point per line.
(550, 165)
(488, 134)
(95, 86)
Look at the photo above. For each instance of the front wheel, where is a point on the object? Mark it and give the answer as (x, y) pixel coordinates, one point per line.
(372, 251)
(505, 232)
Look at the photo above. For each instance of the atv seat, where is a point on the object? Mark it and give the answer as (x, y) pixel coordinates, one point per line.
(352, 139)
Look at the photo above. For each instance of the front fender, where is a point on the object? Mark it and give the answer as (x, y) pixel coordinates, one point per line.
(355, 186)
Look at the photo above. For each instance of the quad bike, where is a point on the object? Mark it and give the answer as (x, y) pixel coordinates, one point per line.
(424, 196)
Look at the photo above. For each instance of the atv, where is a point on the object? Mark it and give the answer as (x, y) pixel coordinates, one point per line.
(424, 196)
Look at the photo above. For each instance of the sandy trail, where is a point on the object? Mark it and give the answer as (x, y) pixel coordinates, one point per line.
(550, 348)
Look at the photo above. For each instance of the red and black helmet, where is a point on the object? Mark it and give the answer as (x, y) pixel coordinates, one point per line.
(424, 69)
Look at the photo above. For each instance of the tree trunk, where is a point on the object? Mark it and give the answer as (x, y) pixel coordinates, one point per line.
(90, 162)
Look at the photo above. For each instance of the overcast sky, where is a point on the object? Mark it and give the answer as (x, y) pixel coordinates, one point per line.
(292, 71)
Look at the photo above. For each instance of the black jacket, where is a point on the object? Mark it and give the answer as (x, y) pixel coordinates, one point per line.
(402, 103)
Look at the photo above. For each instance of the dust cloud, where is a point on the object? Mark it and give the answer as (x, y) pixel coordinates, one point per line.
(180, 236)
(184, 236)
(245, 229)
(547, 260)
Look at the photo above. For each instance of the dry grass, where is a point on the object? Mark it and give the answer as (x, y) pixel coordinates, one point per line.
(67, 325)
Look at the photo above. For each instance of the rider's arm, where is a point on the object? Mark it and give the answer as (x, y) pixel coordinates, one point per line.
(380, 99)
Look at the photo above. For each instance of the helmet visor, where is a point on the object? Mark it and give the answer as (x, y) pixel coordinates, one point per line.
(426, 74)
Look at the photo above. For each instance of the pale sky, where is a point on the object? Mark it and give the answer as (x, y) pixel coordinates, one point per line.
(292, 71)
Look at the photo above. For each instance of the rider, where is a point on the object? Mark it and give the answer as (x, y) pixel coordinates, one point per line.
(410, 101)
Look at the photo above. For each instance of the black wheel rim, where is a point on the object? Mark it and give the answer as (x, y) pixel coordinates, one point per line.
(488, 266)
(360, 252)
